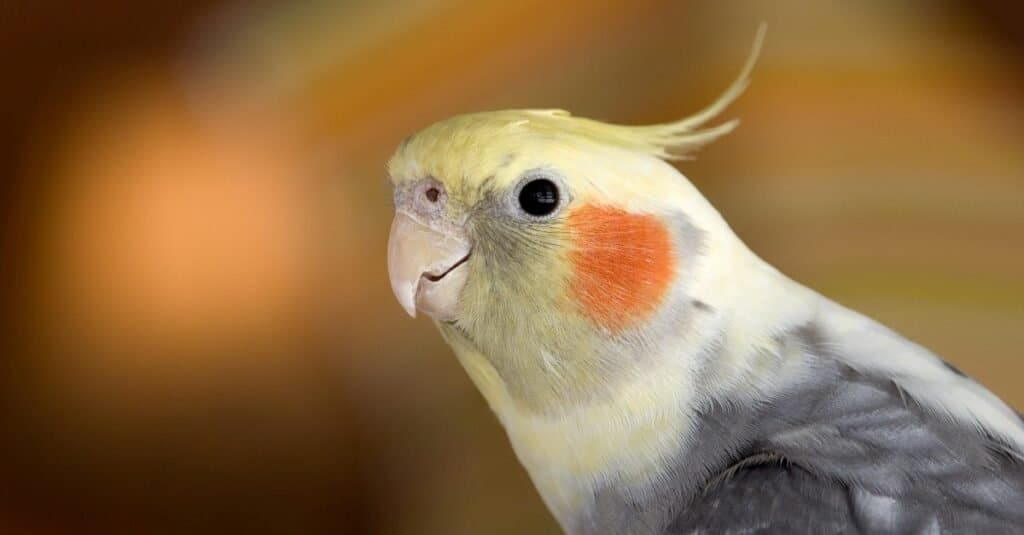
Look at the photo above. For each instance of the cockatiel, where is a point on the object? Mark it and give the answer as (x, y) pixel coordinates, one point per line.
(652, 373)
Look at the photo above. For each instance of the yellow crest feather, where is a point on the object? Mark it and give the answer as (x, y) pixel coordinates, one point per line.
(678, 139)
(470, 147)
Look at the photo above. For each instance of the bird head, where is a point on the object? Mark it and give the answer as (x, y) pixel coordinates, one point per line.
(552, 243)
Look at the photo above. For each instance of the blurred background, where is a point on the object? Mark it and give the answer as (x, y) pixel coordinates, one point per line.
(202, 338)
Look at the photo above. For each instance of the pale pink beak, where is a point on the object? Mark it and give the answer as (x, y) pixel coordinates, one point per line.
(427, 267)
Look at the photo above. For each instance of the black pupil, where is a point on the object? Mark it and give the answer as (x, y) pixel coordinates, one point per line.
(539, 197)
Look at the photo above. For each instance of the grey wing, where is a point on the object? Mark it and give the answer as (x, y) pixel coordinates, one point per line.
(860, 459)
(782, 498)
(769, 498)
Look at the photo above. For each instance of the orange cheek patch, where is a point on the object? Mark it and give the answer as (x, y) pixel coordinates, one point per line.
(622, 264)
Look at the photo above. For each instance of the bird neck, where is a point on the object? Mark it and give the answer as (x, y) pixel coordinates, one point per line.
(633, 434)
(627, 436)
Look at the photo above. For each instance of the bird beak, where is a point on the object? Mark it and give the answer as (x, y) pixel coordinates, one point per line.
(427, 267)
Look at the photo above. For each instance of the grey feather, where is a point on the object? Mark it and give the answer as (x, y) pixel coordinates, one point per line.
(837, 452)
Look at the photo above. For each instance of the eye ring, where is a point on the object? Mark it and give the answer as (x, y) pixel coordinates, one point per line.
(539, 196)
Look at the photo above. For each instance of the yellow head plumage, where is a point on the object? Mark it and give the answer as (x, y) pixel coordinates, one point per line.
(547, 292)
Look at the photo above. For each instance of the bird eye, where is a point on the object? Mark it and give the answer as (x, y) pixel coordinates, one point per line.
(539, 197)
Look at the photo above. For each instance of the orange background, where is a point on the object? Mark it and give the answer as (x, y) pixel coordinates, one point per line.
(202, 335)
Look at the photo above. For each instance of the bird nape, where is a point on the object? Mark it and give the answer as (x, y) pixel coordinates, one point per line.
(653, 374)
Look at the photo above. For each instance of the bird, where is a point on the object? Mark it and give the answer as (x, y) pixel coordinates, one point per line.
(652, 373)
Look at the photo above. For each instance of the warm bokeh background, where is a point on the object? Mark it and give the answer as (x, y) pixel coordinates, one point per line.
(202, 336)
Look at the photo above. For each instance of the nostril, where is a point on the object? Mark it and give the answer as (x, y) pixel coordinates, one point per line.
(432, 194)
